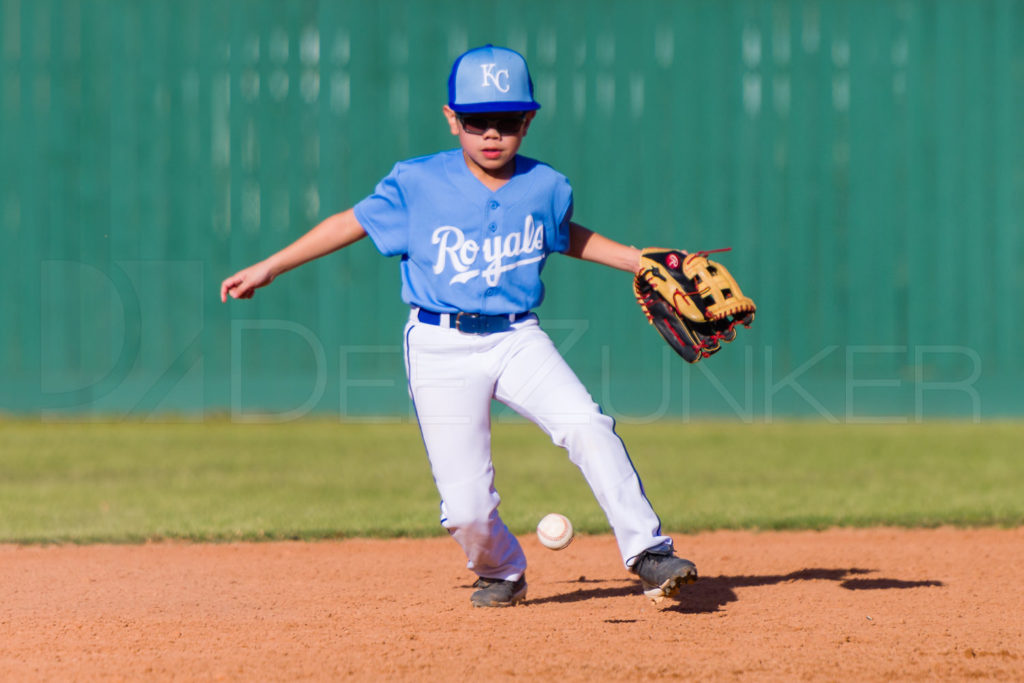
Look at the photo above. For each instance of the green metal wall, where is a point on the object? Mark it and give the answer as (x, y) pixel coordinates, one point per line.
(864, 159)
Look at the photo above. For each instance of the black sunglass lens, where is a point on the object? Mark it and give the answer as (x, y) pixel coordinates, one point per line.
(508, 126)
(478, 125)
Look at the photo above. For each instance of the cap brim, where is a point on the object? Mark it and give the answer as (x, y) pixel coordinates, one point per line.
(485, 107)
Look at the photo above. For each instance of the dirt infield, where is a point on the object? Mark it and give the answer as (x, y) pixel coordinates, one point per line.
(833, 605)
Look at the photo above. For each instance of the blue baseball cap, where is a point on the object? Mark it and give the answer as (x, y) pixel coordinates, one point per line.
(489, 79)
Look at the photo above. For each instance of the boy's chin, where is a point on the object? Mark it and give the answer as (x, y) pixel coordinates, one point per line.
(494, 165)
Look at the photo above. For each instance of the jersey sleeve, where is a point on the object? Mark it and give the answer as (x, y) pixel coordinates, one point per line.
(558, 237)
(385, 215)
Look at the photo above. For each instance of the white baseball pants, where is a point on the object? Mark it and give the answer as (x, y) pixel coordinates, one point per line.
(452, 378)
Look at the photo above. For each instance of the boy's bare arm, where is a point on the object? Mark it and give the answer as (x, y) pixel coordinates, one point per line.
(333, 233)
(588, 245)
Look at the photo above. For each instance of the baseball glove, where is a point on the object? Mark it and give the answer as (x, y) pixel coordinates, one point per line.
(694, 302)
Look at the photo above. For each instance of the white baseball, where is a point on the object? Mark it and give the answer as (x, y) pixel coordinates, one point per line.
(555, 531)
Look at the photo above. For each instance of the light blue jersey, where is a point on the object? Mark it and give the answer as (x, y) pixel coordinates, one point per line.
(464, 247)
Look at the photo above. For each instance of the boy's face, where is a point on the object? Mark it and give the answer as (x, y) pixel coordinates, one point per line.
(490, 141)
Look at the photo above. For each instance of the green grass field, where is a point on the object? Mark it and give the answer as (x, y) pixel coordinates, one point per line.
(130, 482)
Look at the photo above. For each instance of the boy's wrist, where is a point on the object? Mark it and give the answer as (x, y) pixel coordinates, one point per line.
(631, 262)
(273, 266)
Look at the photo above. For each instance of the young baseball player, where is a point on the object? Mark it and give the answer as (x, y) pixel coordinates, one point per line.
(473, 227)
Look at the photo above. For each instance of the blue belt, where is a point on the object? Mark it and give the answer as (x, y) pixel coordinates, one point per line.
(471, 323)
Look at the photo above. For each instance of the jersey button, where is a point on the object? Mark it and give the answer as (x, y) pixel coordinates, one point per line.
(492, 227)
(494, 204)
(490, 291)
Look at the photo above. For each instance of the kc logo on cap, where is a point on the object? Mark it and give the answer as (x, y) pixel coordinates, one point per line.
(499, 79)
(490, 79)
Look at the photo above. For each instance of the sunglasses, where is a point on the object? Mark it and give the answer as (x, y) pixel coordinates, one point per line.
(476, 124)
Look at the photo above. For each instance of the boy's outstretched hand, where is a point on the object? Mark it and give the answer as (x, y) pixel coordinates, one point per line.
(244, 283)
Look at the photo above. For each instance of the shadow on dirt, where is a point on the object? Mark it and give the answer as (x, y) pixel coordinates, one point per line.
(628, 588)
(709, 594)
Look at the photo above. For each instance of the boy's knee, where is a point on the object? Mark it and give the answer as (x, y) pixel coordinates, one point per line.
(472, 508)
(583, 434)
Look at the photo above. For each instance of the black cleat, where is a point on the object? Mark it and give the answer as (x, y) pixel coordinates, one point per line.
(662, 573)
(498, 593)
